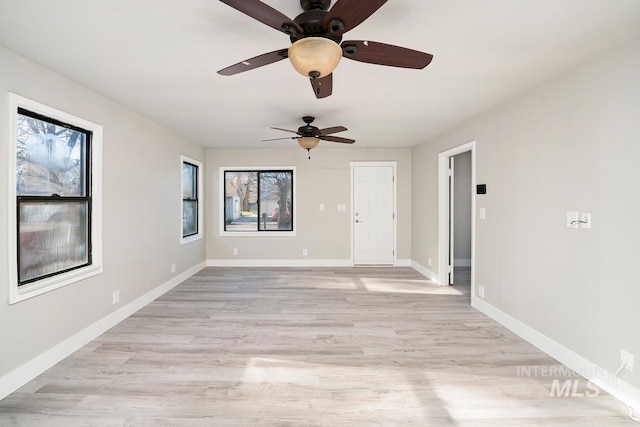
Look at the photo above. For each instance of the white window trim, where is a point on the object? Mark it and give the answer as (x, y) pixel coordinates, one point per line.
(221, 214)
(197, 236)
(21, 293)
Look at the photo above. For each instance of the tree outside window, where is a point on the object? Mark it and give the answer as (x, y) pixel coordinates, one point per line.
(53, 196)
(258, 200)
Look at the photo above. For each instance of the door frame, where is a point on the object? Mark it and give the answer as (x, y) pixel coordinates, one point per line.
(444, 212)
(451, 213)
(394, 166)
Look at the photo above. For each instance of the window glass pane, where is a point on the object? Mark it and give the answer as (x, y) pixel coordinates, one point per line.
(50, 158)
(241, 200)
(189, 176)
(189, 218)
(275, 200)
(53, 237)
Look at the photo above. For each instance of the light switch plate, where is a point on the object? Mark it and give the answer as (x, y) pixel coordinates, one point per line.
(572, 219)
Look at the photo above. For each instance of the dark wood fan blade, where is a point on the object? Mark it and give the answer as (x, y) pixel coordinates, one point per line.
(335, 129)
(263, 13)
(279, 139)
(351, 13)
(323, 86)
(385, 54)
(258, 61)
(286, 130)
(336, 139)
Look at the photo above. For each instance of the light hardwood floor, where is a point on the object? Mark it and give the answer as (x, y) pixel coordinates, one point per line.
(308, 347)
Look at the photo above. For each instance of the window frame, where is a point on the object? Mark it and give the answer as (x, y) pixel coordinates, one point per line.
(49, 282)
(199, 212)
(258, 169)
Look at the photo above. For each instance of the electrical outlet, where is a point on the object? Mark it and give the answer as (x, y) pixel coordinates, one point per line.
(429, 261)
(116, 297)
(626, 359)
(173, 267)
(235, 251)
(304, 252)
(481, 291)
(585, 220)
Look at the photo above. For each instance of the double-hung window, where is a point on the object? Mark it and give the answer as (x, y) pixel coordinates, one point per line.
(55, 200)
(258, 201)
(191, 203)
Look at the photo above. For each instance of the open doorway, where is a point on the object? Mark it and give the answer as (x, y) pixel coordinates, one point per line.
(456, 216)
(460, 195)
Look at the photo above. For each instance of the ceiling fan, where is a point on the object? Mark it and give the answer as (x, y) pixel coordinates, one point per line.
(309, 136)
(316, 37)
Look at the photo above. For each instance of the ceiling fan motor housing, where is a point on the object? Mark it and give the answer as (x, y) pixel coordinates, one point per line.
(308, 131)
(315, 4)
(312, 22)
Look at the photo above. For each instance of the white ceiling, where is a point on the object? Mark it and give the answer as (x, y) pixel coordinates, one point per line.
(160, 58)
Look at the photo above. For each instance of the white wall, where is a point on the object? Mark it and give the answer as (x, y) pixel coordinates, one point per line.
(569, 144)
(323, 179)
(141, 216)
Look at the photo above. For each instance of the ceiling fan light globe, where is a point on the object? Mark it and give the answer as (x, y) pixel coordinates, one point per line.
(308, 143)
(315, 56)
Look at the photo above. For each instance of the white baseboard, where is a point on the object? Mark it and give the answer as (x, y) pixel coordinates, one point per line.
(618, 388)
(462, 262)
(425, 272)
(15, 379)
(292, 263)
(279, 263)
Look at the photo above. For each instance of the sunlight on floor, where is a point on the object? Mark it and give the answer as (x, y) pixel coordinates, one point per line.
(386, 285)
(263, 370)
(337, 283)
(408, 287)
(364, 389)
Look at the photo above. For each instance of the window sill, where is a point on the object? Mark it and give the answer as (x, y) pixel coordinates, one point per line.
(258, 233)
(22, 293)
(190, 239)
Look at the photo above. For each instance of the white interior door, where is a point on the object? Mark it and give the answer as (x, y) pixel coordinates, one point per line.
(373, 215)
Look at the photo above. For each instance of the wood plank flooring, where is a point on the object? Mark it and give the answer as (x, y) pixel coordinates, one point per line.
(308, 347)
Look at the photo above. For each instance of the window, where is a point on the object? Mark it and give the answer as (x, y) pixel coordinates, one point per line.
(56, 239)
(191, 194)
(258, 200)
